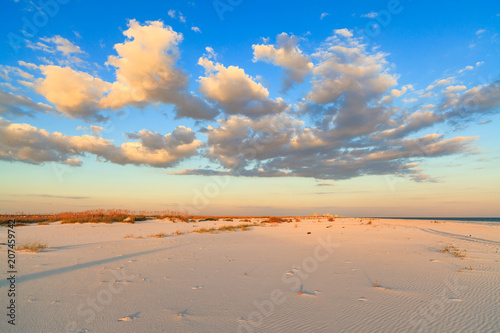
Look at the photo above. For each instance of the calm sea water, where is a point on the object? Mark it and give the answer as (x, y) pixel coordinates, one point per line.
(462, 219)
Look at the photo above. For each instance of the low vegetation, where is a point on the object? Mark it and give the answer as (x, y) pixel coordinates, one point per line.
(92, 216)
(206, 219)
(204, 230)
(242, 227)
(449, 248)
(32, 247)
(159, 235)
(465, 268)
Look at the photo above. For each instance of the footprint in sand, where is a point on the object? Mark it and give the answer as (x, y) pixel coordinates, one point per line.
(131, 317)
(453, 299)
(364, 299)
(196, 287)
(433, 260)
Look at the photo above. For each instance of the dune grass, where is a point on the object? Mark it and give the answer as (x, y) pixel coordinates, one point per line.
(159, 235)
(450, 248)
(225, 228)
(204, 230)
(32, 247)
(93, 216)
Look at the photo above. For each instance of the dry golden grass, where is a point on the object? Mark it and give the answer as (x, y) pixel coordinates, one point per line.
(204, 230)
(32, 247)
(224, 228)
(450, 248)
(94, 216)
(159, 235)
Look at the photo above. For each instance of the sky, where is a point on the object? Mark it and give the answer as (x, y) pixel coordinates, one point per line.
(234, 107)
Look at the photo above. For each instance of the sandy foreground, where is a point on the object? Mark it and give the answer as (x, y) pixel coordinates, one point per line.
(310, 276)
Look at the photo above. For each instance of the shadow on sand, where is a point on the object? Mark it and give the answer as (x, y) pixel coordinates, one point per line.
(62, 270)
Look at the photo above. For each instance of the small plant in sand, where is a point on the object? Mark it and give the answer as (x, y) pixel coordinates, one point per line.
(331, 219)
(454, 250)
(466, 268)
(159, 235)
(369, 222)
(376, 284)
(178, 233)
(43, 223)
(32, 247)
(129, 236)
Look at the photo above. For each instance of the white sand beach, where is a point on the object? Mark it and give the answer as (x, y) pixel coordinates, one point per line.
(310, 276)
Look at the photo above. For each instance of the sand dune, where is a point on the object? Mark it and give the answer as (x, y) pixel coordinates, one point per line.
(310, 276)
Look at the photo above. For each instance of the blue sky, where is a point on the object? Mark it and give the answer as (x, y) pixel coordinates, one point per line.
(373, 108)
